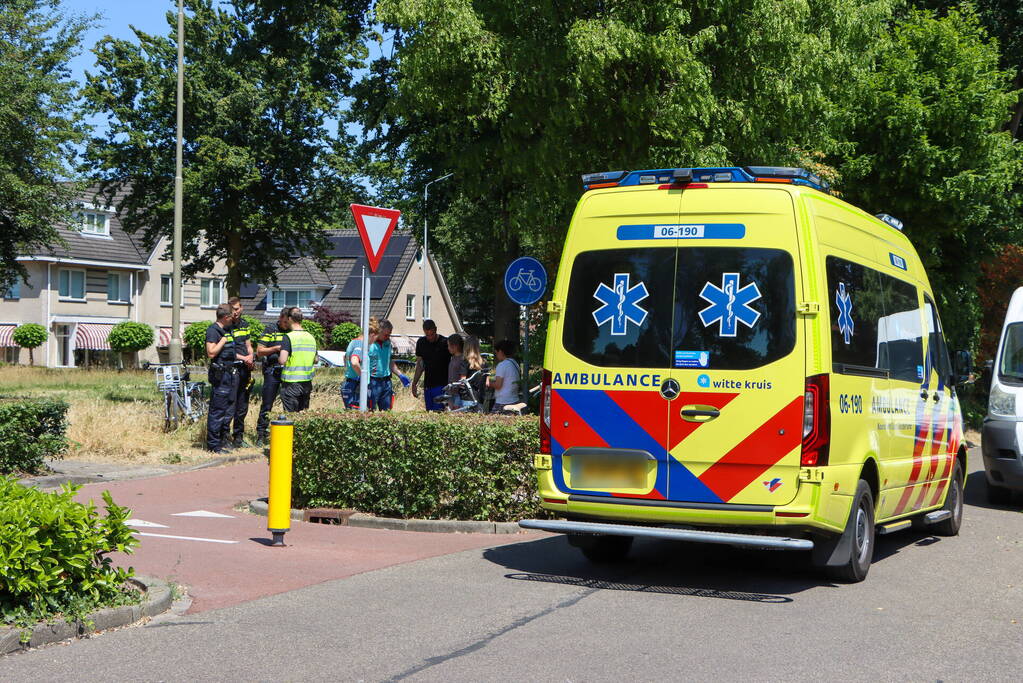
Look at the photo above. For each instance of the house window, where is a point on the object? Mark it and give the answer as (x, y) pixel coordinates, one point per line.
(280, 298)
(118, 288)
(165, 290)
(9, 354)
(427, 308)
(14, 291)
(211, 292)
(71, 284)
(93, 223)
(410, 307)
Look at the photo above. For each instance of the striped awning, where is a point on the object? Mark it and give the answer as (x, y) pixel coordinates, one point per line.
(92, 336)
(163, 337)
(403, 344)
(7, 336)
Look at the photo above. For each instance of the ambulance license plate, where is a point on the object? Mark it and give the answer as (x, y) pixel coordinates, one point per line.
(608, 473)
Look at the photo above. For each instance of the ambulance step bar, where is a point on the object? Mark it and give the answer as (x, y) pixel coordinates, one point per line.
(561, 526)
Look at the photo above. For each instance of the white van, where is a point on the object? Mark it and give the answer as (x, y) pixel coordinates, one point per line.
(1002, 440)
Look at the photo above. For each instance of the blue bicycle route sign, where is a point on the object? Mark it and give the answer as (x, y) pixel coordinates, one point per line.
(525, 281)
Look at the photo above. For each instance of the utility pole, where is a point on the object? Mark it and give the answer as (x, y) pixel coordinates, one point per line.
(426, 262)
(175, 341)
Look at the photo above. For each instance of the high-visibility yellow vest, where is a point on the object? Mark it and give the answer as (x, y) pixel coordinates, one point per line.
(299, 367)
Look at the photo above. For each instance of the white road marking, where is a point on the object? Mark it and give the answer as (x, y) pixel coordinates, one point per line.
(185, 538)
(142, 522)
(200, 513)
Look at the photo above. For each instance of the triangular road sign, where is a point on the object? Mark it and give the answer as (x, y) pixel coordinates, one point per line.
(375, 227)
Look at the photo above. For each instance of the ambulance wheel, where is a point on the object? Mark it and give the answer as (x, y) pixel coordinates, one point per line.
(859, 536)
(954, 504)
(604, 549)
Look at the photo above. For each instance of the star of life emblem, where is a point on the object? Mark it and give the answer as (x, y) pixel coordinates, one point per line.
(620, 304)
(845, 306)
(729, 305)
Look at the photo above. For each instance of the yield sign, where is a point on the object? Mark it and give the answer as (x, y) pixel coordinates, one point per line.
(375, 228)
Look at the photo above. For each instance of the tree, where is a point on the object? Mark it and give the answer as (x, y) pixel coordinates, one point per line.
(29, 336)
(344, 333)
(40, 124)
(519, 98)
(330, 319)
(1001, 276)
(264, 172)
(130, 337)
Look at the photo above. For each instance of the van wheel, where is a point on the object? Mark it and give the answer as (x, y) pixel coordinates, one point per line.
(604, 549)
(859, 534)
(954, 504)
(998, 495)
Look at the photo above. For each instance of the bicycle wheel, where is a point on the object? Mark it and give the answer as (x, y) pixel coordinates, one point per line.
(170, 411)
(197, 403)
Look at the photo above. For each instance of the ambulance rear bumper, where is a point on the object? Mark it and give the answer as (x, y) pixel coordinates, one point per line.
(561, 526)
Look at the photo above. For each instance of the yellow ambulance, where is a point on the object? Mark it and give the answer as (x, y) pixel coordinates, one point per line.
(736, 356)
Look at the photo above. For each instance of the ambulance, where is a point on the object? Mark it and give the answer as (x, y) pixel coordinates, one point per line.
(736, 356)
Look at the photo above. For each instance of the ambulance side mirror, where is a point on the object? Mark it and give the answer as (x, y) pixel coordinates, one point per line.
(963, 367)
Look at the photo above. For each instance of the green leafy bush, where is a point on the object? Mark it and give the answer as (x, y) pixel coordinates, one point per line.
(195, 337)
(416, 465)
(255, 328)
(54, 554)
(29, 336)
(316, 329)
(344, 333)
(31, 431)
(127, 336)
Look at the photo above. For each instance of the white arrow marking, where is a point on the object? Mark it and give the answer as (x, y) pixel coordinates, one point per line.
(185, 538)
(200, 513)
(376, 229)
(142, 522)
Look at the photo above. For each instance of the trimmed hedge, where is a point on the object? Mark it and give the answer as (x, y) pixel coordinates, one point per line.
(414, 465)
(54, 554)
(31, 430)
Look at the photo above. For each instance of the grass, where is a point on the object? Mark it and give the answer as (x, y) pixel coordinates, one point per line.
(116, 416)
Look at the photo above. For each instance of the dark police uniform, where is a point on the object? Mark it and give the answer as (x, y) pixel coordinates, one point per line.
(223, 377)
(240, 333)
(271, 336)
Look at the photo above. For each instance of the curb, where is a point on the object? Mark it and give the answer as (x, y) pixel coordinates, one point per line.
(225, 460)
(156, 601)
(442, 526)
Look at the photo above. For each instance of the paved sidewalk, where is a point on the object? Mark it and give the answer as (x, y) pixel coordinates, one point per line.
(221, 555)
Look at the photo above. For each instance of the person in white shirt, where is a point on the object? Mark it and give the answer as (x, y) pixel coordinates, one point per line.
(505, 381)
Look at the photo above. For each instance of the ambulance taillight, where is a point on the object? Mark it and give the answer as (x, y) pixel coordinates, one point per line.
(816, 421)
(545, 413)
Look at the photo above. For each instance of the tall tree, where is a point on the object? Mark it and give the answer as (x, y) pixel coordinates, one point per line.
(39, 126)
(266, 166)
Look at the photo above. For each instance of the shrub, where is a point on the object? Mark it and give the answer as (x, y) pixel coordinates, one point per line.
(195, 337)
(415, 465)
(344, 333)
(29, 336)
(30, 432)
(130, 336)
(255, 329)
(54, 554)
(316, 329)
(330, 318)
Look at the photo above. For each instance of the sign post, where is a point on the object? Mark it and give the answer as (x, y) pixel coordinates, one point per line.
(376, 225)
(525, 281)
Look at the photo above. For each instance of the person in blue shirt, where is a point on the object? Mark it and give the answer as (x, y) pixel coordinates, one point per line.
(353, 366)
(382, 367)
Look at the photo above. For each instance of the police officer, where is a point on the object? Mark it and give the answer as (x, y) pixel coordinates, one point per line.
(297, 355)
(241, 335)
(223, 375)
(269, 347)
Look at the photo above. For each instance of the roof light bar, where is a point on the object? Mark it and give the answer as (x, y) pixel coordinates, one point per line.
(605, 179)
(890, 220)
(722, 174)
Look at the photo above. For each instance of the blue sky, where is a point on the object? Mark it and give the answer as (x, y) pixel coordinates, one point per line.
(116, 18)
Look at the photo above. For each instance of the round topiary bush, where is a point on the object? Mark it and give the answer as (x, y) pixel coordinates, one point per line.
(344, 333)
(130, 336)
(30, 336)
(316, 329)
(195, 337)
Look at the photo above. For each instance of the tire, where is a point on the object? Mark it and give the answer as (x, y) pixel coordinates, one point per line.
(198, 403)
(170, 412)
(998, 495)
(953, 503)
(605, 549)
(861, 534)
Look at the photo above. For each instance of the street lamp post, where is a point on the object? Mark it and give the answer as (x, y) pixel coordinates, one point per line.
(174, 349)
(426, 196)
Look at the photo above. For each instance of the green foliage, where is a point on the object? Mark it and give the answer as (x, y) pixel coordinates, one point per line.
(265, 170)
(130, 336)
(344, 333)
(195, 337)
(29, 335)
(40, 122)
(316, 329)
(54, 553)
(30, 432)
(255, 328)
(415, 465)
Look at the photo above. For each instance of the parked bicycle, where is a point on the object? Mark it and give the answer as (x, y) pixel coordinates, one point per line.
(471, 402)
(182, 400)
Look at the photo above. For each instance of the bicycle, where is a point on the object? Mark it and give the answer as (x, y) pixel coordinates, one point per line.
(462, 389)
(182, 399)
(525, 278)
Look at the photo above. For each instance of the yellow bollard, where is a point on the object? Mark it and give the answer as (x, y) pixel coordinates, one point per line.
(278, 514)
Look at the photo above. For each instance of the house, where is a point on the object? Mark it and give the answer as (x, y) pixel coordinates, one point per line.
(104, 276)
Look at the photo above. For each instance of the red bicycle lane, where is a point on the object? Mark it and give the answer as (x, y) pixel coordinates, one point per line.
(191, 533)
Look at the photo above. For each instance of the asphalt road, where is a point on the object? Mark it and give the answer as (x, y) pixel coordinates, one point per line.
(931, 609)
